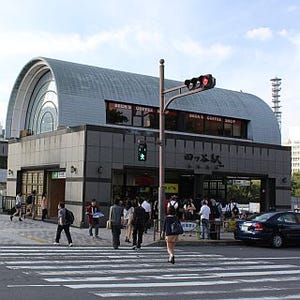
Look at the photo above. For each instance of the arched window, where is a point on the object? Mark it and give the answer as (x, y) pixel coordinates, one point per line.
(42, 113)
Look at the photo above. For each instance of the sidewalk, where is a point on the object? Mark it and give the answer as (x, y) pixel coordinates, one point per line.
(31, 231)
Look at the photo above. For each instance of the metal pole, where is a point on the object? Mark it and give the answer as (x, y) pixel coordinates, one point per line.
(161, 189)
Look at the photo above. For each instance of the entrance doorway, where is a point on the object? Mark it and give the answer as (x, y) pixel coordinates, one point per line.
(56, 193)
(186, 186)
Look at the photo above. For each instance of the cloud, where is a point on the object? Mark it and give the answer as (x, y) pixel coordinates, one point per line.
(126, 38)
(292, 8)
(193, 48)
(262, 34)
(283, 33)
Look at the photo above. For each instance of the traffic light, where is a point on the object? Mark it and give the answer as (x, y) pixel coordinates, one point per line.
(142, 152)
(204, 82)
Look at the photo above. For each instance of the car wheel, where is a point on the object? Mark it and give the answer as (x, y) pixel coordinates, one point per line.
(277, 240)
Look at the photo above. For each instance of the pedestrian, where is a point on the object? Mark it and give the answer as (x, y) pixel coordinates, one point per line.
(170, 237)
(62, 224)
(189, 209)
(147, 207)
(204, 216)
(173, 202)
(235, 211)
(116, 220)
(44, 206)
(128, 215)
(138, 223)
(30, 205)
(18, 207)
(94, 214)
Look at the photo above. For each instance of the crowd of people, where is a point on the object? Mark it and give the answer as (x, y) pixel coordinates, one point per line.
(136, 217)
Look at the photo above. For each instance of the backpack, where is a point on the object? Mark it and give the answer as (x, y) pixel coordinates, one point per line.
(69, 217)
(176, 227)
(29, 199)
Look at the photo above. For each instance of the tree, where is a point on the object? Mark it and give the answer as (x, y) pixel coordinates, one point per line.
(295, 182)
(244, 194)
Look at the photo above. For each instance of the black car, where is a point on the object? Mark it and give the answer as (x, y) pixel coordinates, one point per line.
(274, 228)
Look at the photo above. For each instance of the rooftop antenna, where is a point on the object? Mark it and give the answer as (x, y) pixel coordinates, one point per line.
(276, 82)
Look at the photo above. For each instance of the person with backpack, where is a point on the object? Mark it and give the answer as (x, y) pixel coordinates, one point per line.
(170, 232)
(64, 219)
(30, 205)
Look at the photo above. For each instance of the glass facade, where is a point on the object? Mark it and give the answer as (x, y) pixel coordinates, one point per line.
(42, 114)
(148, 117)
(33, 180)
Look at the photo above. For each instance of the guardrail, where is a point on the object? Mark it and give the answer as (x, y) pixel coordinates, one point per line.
(8, 204)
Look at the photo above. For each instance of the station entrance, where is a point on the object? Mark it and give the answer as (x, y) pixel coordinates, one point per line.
(243, 190)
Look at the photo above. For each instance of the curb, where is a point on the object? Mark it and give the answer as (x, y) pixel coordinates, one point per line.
(199, 243)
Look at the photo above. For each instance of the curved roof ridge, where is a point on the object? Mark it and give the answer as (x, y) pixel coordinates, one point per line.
(83, 89)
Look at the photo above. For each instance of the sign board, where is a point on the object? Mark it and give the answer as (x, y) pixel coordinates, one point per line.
(254, 207)
(58, 175)
(241, 182)
(171, 188)
(188, 226)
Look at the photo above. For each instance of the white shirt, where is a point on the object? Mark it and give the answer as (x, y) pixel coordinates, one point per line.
(204, 212)
(173, 203)
(18, 200)
(147, 206)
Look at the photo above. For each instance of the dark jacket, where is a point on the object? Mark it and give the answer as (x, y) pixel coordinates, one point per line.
(139, 216)
(62, 217)
(169, 219)
(116, 214)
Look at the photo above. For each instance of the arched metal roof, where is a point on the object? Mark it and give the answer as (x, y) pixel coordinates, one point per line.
(82, 89)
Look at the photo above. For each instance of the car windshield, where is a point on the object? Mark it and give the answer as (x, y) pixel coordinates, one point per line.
(263, 217)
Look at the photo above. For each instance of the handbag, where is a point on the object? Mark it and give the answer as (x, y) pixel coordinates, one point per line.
(176, 228)
(108, 224)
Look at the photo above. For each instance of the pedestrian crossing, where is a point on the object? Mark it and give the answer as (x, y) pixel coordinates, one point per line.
(145, 274)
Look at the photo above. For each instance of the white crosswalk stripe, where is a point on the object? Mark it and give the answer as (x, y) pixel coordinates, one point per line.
(107, 273)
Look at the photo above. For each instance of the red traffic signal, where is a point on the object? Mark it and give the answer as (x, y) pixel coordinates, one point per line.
(204, 82)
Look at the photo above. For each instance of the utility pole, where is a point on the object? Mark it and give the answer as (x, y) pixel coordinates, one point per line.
(192, 86)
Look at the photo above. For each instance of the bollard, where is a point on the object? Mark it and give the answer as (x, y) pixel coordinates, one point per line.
(198, 229)
(155, 228)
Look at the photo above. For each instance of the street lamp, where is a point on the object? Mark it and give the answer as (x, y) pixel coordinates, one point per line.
(200, 84)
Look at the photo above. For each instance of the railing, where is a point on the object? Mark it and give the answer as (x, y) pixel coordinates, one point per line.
(8, 204)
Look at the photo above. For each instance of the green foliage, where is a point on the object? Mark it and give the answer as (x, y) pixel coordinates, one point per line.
(116, 117)
(244, 194)
(295, 182)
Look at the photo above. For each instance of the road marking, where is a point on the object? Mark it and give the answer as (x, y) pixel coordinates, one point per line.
(121, 270)
(177, 284)
(105, 273)
(142, 263)
(32, 285)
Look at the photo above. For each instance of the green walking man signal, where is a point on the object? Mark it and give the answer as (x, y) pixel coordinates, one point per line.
(142, 152)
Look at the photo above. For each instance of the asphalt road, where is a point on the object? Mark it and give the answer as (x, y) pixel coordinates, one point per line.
(200, 272)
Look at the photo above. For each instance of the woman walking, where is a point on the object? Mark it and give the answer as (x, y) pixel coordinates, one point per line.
(171, 235)
(18, 207)
(128, 215)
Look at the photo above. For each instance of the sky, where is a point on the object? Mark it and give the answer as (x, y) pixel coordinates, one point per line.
(242, 43)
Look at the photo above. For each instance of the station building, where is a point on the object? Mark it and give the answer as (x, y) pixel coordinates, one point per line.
(74, 132)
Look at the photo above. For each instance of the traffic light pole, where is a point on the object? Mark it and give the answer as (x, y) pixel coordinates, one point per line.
(162, 110)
